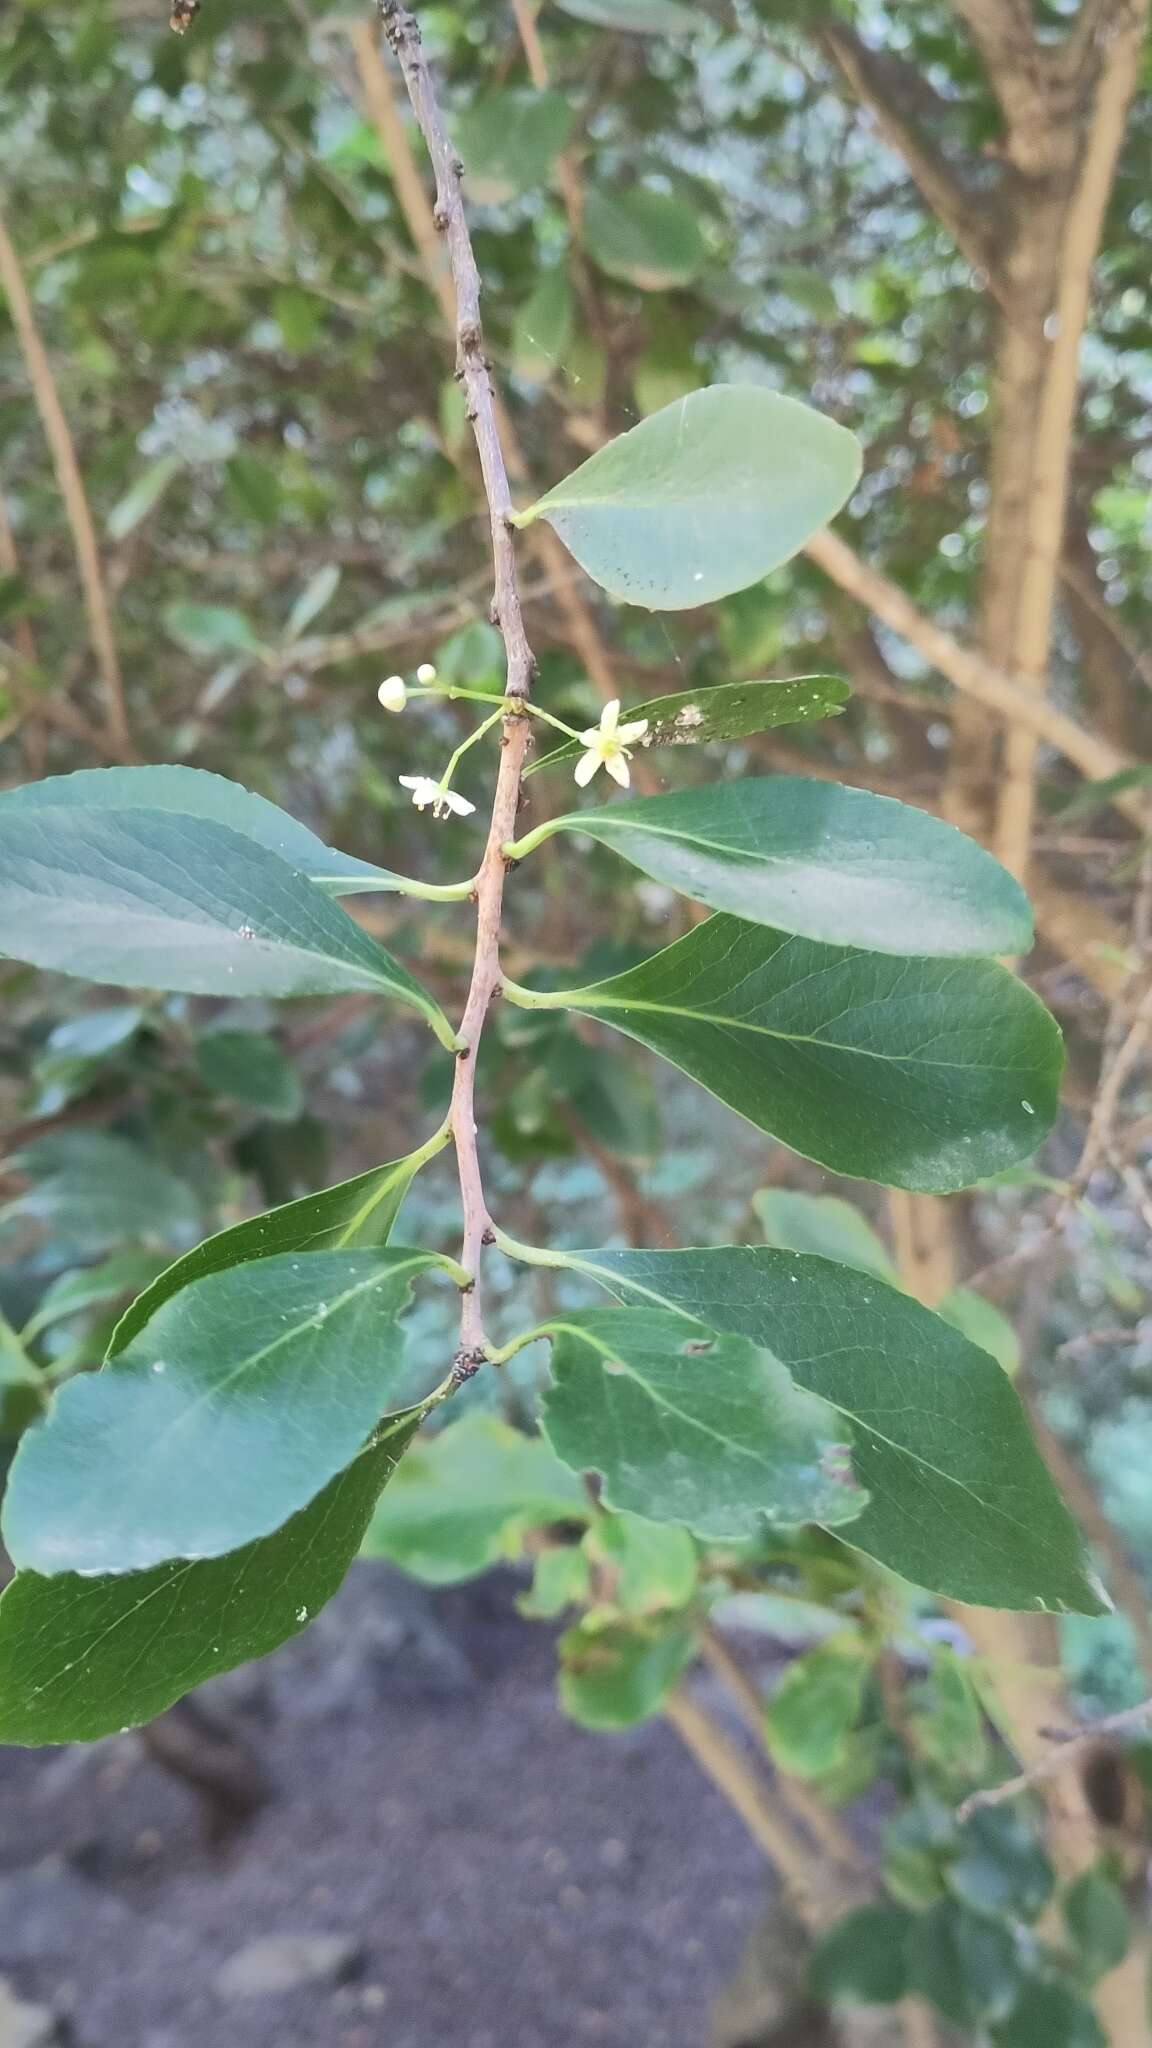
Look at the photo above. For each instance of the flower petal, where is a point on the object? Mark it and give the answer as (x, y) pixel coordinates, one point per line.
(610, 718)
(586, 768)
(618, 769)
(629, 734)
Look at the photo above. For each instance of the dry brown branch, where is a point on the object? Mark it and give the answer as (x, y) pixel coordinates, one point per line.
(1070, 1751)
(72, 490)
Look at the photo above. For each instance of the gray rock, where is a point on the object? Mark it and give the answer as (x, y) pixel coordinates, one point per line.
(26, 2026)
(285, 1962)
(40, 1909)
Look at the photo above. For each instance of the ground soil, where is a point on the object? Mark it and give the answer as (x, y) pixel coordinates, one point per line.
(503, 1879)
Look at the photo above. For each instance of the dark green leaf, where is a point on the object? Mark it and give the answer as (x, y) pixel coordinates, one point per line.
(730, 711)
(809, 1719)
(1097, 1918)
(825, 862)
(646, 237)
(1049, 2016)
(357, 1212)
(157, 899)
(242, 1397)
(210, 629)
(250, 1067)
(863, 1961)
(466, 1497)
(1000, 1868)
(703, 498)
(687, 1427)
(83, 1658)
(543, 332)
(967, 1966)
(924, 1074)
(612, 1677)
(196, 794)
(960, 1501)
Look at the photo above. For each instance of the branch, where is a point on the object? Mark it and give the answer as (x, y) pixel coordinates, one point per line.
(908, 109)
(580, 625)
(1071, 1749)
(971, 674)
(473, 371)
(72, 490)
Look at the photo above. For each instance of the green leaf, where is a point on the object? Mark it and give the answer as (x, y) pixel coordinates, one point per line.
(1098, 1921)
(829, 863)
(255, 487)
(960, 1501)
(645, 237)
(510, 140)
(923, 1074)
(562, 1579)
(544, 327)
(863, 1960)
(687, 1427)
(467, 1496)
(612, 1677)
(211, 629)
(155, 899)
(703, 498)
(92, 1190)
(653, 1565)
(74, 1294)
(140, 498)
(947, 1720)
(999, 1867)
(249, 1067)
(1049, 2016)
(356, 1212)
(967, 1966)
(984, 1325)
(809, 1719)
(83, 1658)
(242, 1397)
(194, 793)
(319, 591)
(640, 17)
(730, 711)
(825, 1225)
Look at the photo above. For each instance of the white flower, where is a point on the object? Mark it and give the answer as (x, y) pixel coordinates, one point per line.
(392, 693)
(608, 744)
(445, 802)
(426, 673)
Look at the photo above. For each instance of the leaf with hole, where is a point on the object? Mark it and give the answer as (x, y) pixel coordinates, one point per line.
(703, 498)
(684, 1426)
(825, 862)
(922, 1074)
(617, 1674)
(234, 1407)
(82, 1658)
(729, 711)
(959, 1499)
(159, 899)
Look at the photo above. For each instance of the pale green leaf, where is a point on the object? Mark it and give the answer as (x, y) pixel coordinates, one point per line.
(466, 1496)
(809, 1719)
(825, 1225)
(686, 1427)
(645, 237)
(826, 862)
(237, 1403)
(612, 1677)
(640, 17)
(703, 498)
(510, 140)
